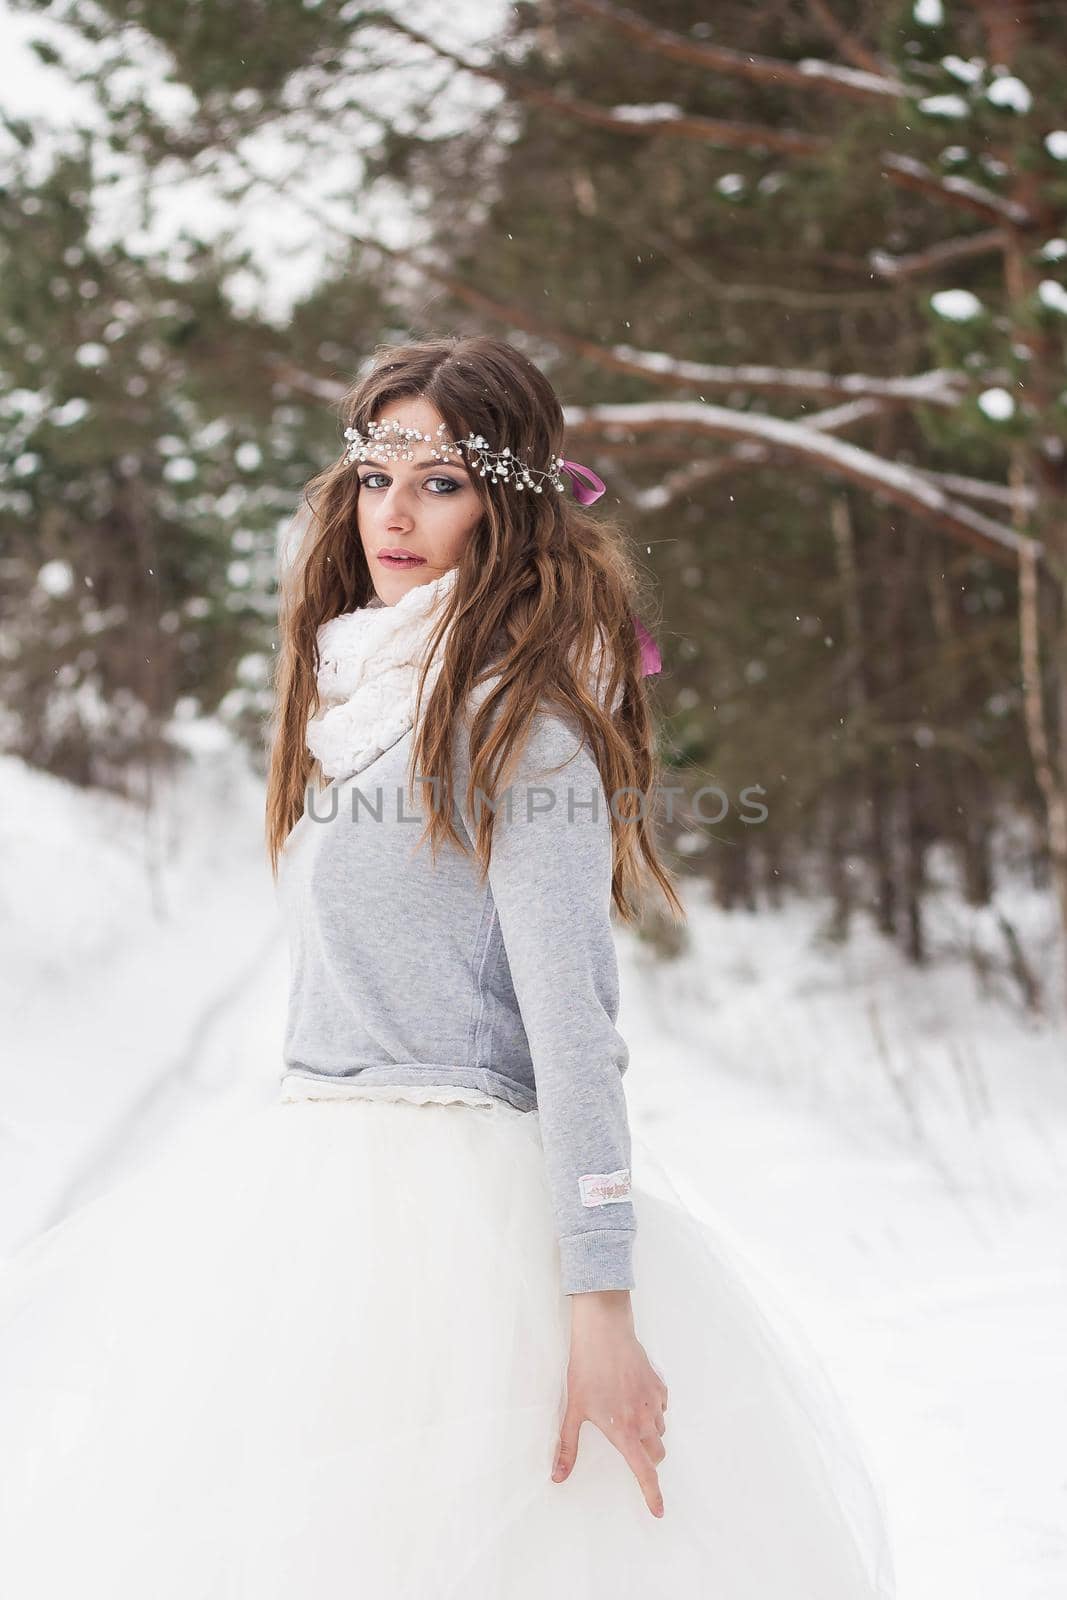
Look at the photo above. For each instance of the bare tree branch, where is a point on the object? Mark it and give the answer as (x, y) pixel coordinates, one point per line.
(849, 46)
(740, 457)
(640, 120)
(735, 291)
(940, 387)
(937, 256)
(692, 476)
(900, 484)
(810, 74)
(943, 387)
(1001, 494)
(911, 174)
(835, 419)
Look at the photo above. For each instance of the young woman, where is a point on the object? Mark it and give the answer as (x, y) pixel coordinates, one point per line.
(348, 1349)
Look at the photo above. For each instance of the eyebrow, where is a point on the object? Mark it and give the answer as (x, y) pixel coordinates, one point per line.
(420, 464)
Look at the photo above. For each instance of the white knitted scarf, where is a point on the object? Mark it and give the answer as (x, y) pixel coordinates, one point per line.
(369, 665)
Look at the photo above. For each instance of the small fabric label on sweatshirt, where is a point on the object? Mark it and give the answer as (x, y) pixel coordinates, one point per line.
(604, 1188)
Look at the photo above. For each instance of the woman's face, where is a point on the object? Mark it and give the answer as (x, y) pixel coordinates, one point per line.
(422, 507)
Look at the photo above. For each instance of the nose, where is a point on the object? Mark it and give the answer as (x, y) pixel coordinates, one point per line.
(394, 507)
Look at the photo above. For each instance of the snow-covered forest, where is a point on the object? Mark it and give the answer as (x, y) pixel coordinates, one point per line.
(799, 274)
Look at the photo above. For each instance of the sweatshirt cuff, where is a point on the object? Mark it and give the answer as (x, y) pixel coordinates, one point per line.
(601, 1258)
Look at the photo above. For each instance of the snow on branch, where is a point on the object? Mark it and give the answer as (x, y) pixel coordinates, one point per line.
(835, 419)
(1001, 494)
(697, 473)
(911, 174)
(943, 254)
(940, 387)
(901, 484)
(705, 130)
(865, 85)
(846, 80)
(635, 119)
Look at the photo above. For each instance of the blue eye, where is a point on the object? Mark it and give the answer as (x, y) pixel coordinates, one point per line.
(365, 483)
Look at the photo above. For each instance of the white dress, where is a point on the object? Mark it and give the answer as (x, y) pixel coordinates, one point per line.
(322, 1356)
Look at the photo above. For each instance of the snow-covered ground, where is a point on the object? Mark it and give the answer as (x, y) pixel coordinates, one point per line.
(886, 1148)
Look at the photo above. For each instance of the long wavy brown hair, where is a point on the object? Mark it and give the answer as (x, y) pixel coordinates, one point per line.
(541, 583)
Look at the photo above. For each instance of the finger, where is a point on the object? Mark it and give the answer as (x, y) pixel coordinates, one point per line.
(654, 1447)
(567, 1453)
(633, 1451)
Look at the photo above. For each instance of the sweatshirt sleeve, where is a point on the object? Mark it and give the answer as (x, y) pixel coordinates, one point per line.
(550, 875)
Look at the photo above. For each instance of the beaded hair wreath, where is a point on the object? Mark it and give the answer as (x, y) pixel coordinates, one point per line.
(395, 443)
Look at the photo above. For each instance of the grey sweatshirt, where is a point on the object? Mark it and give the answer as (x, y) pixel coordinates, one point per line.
(403, 972)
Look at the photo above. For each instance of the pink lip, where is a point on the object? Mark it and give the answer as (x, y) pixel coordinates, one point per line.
(401, 555)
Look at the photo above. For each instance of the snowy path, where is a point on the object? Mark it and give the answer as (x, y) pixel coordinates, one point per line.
(124, 951)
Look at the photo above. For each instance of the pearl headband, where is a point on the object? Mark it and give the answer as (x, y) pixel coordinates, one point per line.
(395, 443)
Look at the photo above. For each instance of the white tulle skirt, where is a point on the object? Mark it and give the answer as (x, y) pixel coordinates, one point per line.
(322, 1356)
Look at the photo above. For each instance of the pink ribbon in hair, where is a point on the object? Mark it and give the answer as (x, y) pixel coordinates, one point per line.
(651, 662)
(585, 494)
